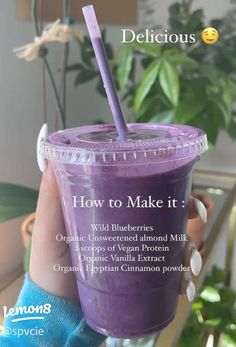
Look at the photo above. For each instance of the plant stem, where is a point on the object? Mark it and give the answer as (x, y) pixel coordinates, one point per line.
(34, 15)
(47, 66)
(204, 339)
(216, 338)
(54, 88)
(65, 63)
(66, 58)
(44, 91)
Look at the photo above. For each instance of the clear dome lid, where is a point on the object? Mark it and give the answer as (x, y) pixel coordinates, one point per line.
(99, 144)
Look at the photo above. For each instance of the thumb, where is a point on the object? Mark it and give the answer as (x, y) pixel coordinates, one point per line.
(49, 218)
(46, 251)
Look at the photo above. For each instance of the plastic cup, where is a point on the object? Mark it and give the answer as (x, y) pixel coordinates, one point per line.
(127, 251)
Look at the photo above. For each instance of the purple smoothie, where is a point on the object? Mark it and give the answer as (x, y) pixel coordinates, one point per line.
(128, 296)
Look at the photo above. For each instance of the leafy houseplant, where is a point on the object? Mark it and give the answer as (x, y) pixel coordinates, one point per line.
(213, 313)
(186, 83)
(191, 84)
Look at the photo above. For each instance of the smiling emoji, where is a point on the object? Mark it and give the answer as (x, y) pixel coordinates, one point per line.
(210, 35)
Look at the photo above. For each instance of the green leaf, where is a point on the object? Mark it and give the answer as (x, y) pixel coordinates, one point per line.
(220, 111)
(98, 121)
(212, 73)
(175, 16)
(192, 334)
(84, 76)
(151, 49)
(227, 341)
(124, 59)
(189, 107)
(209, 123)
(87, 53)
(104, 34)
(165, 117)
(229, 94)
(198, 52)
(174, 9)
(228, 296)
(211, 131)
(197, 306)
(195, 21)
(16, 201)
(147, 104)
(74, 67)
(146, 61)
(107, 46)
(168, 52)
(210, 294)
(183, 60)
(109, 50)
(154, 105)
(213, 322)
(216, 23)
(133, 72)
(148, 79)
(169, 81)
(100, 88)
(217, 276)
(230, 330)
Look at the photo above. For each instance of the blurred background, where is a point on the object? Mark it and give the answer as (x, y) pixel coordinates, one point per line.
(27, 98)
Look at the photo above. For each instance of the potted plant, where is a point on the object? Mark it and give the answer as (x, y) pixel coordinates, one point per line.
(179, 83)
(213, 314)
(190, 83)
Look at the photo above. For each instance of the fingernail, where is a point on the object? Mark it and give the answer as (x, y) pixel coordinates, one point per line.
(190, 291)
(195, 262)
(201, 209)
(42, 163)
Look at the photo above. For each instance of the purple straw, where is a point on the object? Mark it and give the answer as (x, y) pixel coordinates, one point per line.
(101, 56)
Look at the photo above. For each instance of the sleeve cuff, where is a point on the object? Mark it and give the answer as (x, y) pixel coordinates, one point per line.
(61, 320)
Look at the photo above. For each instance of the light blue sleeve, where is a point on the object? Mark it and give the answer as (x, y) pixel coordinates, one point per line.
(40, 319)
